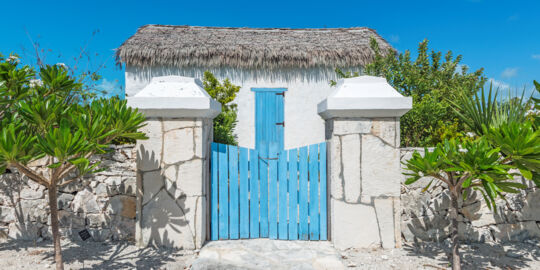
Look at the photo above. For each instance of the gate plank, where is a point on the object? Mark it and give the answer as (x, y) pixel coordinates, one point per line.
(214, 190)
(323, 184)
(244, 193)
(263, 174)
(233, 193)
(293, 194)
(273, 191)
(282, 218)
(223, 193)
(313, 192)
(303, 194)
(254, 193)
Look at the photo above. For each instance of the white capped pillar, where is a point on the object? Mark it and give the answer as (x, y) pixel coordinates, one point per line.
(362, 127)
(173, 164)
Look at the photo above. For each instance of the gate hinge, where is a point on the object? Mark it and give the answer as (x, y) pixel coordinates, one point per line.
(281, 124)
(280, 94)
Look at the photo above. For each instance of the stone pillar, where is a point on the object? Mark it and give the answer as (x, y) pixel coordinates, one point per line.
(362, 128)
(173, 164)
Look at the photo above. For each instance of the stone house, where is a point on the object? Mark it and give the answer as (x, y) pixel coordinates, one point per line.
(285, 104)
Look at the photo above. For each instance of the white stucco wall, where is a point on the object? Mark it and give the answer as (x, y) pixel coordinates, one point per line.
(305, 89)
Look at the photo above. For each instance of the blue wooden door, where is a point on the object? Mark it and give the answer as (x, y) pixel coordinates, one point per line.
(269, 120)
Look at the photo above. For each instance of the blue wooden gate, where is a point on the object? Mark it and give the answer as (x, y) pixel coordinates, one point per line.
(281, 195)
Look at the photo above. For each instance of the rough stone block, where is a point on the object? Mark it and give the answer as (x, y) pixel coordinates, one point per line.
(516, 232)
(381, 174)
(28, 193)
(35, 210)
(351, 126)
(193, 209)
(334, 158)
(350, 158)
(129, 186)
(152, 182)
(201, 141)
(123, 205)
(480, 215)
(531, 209)
(7, 214)
(68, 219)
(64, 200)
(123, 228)
(85, 201)
(190, 179)
(27, 231)
(97, 220)
(426, 228)
(354, 225)
(149, 151)
(179, 123)
(386, 129)
(468, 232)
(164, 224)
(384, 208)
(178, 145)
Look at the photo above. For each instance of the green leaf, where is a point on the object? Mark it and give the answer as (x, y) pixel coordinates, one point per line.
(526, 173)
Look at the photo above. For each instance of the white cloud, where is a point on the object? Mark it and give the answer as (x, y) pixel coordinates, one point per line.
(509, 72)
(498, 84)
(536, 56)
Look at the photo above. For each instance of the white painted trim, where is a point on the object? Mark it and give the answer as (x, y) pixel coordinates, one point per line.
(364, 96)
(176, 107)
(364, 107)
(175, 96)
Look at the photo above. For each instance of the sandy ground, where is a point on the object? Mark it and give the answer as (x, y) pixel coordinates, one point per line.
(91, 255)
(509, 256)
(94, 255)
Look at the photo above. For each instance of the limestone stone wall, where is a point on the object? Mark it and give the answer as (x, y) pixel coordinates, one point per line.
(364, 182)
(103, 203)
(425, 214)
(172, 182)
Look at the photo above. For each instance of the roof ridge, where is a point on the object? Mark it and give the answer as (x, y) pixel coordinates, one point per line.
(256, 28)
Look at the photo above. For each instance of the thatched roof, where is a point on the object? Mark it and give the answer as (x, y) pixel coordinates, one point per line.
(187, 46)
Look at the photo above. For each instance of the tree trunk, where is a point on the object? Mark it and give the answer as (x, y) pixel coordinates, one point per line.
(53, 204)
(456, 260)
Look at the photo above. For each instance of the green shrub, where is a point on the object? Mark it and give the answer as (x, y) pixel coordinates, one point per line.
(224, 92)
(431, 80)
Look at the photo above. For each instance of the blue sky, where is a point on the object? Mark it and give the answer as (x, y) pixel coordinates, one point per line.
(503, 37)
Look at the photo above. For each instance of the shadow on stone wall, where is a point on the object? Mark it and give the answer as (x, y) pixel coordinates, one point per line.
(425, 215)
(103, 203)
(163, 216)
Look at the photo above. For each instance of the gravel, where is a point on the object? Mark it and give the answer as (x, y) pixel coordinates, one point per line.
(91, 255)
(124, 255)
(435, 256)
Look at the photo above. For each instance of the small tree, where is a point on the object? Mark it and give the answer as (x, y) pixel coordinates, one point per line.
(44, 117)
(462, 167)
(224, 92)
(509, 124)
(506, 138)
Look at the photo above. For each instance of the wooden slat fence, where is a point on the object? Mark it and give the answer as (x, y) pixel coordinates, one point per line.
(268, 193)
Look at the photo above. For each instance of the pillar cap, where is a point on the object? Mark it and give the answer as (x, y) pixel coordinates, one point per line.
(175, 97)
(364, 96)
